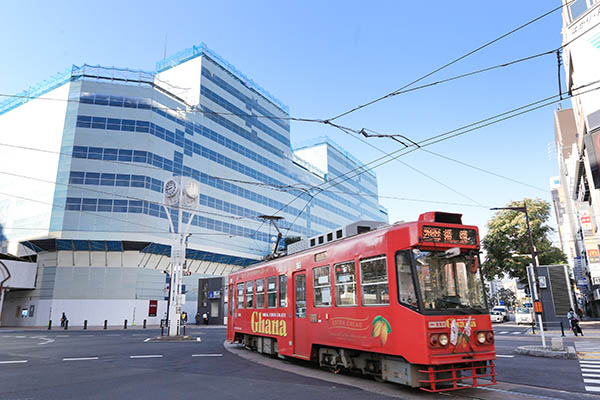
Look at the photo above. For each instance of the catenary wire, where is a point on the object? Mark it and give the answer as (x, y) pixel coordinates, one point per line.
(450, 63)
(472, 127)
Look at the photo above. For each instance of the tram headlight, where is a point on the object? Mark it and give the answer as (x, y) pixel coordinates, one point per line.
(490, 337)
(433, 340)
(481, 337)
(443, 339)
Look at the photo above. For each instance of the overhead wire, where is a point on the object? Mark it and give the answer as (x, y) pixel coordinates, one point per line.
(388, 157)
(450, 63)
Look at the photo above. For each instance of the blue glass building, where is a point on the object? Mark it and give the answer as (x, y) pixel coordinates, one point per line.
(84, 160)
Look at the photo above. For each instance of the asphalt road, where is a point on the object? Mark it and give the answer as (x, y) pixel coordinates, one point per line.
(123, 365)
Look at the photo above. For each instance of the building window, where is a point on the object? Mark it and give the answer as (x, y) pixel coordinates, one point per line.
(579, 7)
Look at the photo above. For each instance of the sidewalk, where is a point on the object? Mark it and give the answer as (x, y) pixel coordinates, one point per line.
(99, 328)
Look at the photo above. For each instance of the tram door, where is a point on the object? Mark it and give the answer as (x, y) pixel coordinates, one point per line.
(301, 342)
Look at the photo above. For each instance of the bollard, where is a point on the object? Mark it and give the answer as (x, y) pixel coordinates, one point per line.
(125, 325)
(144, 324)
(85, 324)
(562, 329)
(66, 324)
(184, 330)
(50, 325)
(105, 323)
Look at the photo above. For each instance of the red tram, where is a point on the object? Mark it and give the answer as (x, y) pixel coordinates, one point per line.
(403, 303)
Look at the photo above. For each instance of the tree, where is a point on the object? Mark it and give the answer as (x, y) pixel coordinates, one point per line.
(507, 242)
(506, 296)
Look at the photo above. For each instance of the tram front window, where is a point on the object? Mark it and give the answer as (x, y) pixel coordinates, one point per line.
(449, 283)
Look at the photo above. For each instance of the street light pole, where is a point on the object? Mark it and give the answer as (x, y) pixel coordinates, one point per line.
(536, 283)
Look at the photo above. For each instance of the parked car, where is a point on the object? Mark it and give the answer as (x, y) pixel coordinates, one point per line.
(523, 315)
(503, 310)
(496, 316)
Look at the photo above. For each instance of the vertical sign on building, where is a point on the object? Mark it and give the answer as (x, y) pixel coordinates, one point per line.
(152, 308)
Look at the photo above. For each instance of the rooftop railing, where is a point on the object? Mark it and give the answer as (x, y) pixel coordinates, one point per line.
(201, 49)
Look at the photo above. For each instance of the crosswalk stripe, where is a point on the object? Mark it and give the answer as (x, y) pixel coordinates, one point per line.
(592, 388)
(591, 375)
(589, 365)
(596, 381)
(589, 370)
(589, 361)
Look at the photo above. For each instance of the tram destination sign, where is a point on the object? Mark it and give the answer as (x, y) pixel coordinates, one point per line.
(440, 234)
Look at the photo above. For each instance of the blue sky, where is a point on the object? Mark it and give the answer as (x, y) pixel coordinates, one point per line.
(322, 58)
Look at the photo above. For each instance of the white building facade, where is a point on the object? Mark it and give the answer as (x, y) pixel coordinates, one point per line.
(85, 158)
(576, 193)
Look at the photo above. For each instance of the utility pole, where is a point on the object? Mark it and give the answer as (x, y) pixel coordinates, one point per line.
(183, 193)
(536, 282)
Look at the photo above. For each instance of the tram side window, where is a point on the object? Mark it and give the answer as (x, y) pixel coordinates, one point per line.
(322, 286)
(406, 287)
(249, 294)
(240, 295)
(300, 285)
(345, 284)
(260, 293)
(374, 281)
(282, 290)
(272, 292)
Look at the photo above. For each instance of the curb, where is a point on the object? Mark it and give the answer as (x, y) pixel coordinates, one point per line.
(539, 351)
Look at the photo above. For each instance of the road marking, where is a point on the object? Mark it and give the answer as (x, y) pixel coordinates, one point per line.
(515, 333)
(590, 361)
(592, 388)
(20, 337)
(592, 375)
(80, 359)
(148, 356)
(589, 370)
(147, 340)
(13, 362)
(588, 364)
(138, 334)
(504, 355)
(596, 381)
(118, 334)
(502, 333)
(63, 335)
(207, 355)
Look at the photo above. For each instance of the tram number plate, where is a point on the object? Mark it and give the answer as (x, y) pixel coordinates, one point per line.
(448, 235)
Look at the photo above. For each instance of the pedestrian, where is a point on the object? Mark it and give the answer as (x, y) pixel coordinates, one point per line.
(205, 318)
(63, 320)
(574, 322)
(184, 317)
(198, 317)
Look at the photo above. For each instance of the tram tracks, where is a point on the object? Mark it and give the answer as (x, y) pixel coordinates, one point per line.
(503, 390)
